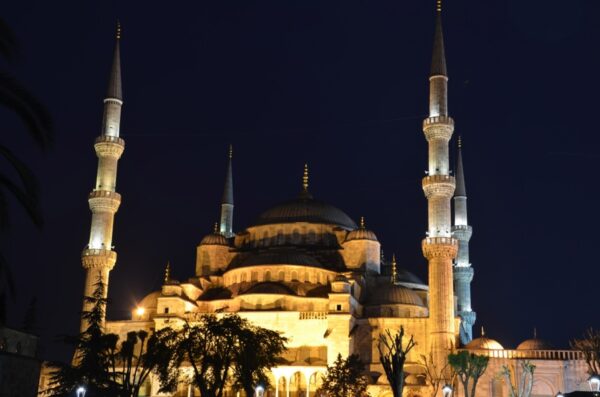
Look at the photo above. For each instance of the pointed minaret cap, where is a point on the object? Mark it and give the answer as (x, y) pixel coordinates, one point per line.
(461, 190)
(115, 90)
(438, 59)
(228, 189)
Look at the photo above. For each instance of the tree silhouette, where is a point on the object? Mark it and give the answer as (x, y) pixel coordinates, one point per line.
(345, 378)
(392, 354)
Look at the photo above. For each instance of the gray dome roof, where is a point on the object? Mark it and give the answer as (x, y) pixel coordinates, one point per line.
(276, 257)
(150, 301)
(214, 239)
(269, 288)
(534, 344)
(361, 234)
(483, 343)
(306, 209)
(386, 293)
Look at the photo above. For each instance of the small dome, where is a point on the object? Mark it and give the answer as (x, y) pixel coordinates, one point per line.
(150, 301)
(341, 278)
(362, 233)
(534, 344)
(483, 343)
(214, 239)
(306, 209)
(386, 293)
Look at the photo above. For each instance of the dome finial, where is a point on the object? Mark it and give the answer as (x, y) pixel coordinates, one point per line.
(394, 270)
(362, 222)
(305, 178)
(216, 228)
(118, 30)
(168, 272)
(534, 333)
(482, 331)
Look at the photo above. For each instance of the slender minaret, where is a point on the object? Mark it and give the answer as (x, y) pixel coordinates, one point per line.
(439, 247)
(463, 272)
(226, 224)
(98, 257)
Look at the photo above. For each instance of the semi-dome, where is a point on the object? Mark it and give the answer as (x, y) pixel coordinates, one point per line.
(306, 209)
(534, 344)
(276, 257)
(483, 343)
(386, 293)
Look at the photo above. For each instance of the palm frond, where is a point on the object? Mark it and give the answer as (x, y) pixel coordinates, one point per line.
(31, 112)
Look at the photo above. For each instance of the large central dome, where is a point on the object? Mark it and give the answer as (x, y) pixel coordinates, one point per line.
(306, 209)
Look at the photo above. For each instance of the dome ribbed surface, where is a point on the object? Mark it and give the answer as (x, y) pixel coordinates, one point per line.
(214, 239)
(361, 234)
(150, 301)
(534, 344)
(483, 343)
(306, 209)
(386, 293)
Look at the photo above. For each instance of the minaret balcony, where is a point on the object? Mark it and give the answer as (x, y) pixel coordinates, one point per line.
(109, 146)
(439, 186)
(439, 247)
(104, 201)
(462, 232)
(438, 127)
(98, 258)
(463, 273)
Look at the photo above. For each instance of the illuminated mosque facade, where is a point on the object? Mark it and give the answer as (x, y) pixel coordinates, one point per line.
(308, 270)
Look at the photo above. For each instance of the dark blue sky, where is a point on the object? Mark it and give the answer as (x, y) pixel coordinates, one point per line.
(342, 85)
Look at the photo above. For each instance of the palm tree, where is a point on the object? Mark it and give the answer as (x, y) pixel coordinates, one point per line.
(23, 186)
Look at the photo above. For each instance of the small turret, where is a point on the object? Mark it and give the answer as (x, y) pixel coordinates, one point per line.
(212, 254)
(362, 250)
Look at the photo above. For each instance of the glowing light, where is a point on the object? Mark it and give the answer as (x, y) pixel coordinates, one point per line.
(594, 382)
(140, 311)
(447, 390)
(259, 391)
(559, 394)
(81, 391)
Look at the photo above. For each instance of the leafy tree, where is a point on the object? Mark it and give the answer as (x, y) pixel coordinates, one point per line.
(392, 354)
(345, 378)
(16, 98)
(523, 389)
(589, 345)
(469, 368)
(258, 350)
(109, 367)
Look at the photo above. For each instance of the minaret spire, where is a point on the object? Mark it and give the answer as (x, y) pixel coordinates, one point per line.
(463, 272)
(98, 257)
(226, 224)
(439, 247)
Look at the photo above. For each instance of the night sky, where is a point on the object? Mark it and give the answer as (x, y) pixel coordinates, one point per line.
(343, 86)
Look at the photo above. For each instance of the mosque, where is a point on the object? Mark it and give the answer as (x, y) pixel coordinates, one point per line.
(308, 270)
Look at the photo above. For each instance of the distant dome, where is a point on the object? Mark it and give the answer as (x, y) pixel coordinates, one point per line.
(483, 343)
(214, 239)
(386, 293)
(361, 234)
(534, 344)
(150, 301)
(306, 209)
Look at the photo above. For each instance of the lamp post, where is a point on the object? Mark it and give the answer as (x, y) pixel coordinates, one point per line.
(259, 391)
(447, 390)
(594, 382)
(81, 391)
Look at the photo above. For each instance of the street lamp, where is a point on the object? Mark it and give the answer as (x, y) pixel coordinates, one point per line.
(259, 391)
(81, 391)
(447, 390)
(594, 382)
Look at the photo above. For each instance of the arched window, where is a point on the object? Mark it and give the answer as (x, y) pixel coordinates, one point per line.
(281, 276)
(268, 275)
(294, 276)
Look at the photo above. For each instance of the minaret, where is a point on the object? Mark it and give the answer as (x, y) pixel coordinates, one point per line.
(463, 272)
(98, 257)
(226, 224)
(439, 247)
